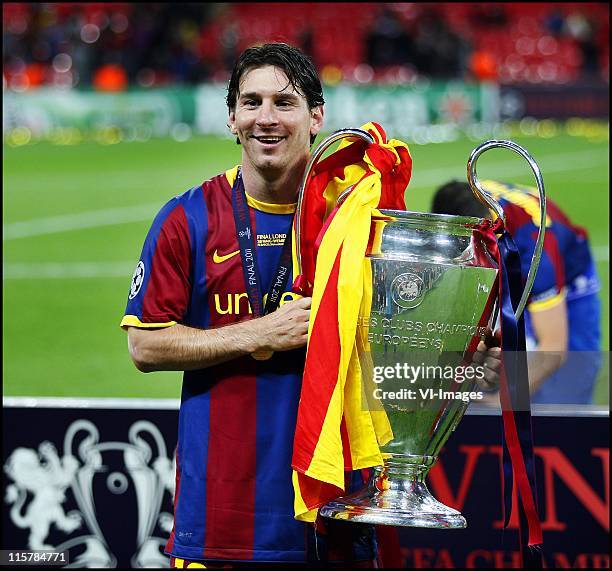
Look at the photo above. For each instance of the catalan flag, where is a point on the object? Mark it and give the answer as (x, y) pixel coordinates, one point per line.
(334, 434)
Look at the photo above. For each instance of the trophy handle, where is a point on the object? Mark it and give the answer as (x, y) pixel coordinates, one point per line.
(316, 155)
(489, 201)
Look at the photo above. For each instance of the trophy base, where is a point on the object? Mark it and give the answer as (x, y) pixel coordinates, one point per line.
(405, 502)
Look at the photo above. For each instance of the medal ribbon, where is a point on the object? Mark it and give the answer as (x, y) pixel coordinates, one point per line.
(248, 256)
(518, 459)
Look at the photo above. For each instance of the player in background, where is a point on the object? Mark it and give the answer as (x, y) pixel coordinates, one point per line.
(562, 317)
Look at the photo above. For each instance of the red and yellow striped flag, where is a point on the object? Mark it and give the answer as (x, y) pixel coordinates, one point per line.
(334, 432)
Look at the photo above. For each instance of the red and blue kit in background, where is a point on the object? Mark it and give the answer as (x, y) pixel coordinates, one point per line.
(566, 271)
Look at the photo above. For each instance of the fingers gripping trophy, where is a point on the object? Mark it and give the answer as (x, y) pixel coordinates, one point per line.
(434, 295)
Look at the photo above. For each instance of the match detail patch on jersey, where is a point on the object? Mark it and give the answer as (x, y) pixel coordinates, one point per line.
(137, 279)
(270, 240)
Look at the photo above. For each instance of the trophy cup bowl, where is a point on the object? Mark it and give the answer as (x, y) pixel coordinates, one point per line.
(434, 293)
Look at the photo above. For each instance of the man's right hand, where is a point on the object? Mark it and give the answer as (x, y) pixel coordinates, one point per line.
(184, 348)
(286, 328)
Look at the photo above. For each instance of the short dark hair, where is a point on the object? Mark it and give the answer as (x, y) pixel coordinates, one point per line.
(297, 66)
(457, 198)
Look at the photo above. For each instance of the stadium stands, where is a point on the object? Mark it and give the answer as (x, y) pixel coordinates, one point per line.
(189, 43)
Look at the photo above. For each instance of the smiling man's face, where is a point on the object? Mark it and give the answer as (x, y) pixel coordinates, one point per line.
(273, 122)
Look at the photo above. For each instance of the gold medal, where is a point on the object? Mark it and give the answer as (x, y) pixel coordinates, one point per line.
(262, 355)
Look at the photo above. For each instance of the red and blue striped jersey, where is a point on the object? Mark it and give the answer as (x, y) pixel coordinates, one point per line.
(566, 267)
(234, 498)
(566, 270)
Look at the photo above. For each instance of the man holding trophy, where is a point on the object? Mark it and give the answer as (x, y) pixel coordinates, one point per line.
(212, 296)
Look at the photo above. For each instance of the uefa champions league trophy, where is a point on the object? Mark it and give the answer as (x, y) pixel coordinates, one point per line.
(434, 292)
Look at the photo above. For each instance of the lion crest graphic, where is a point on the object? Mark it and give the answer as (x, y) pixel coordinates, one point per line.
(45, 477)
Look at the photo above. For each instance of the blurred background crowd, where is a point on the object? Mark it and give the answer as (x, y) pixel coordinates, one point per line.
(115, 46)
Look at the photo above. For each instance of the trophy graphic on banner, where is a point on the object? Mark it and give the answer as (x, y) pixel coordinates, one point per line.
(434, 294)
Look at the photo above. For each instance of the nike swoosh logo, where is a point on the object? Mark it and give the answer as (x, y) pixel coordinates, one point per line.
(217, 259)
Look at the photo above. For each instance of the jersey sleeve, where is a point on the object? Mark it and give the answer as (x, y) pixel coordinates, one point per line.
(160, 288)
(548, 288)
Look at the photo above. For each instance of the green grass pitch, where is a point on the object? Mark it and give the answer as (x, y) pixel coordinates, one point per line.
(75, 218)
